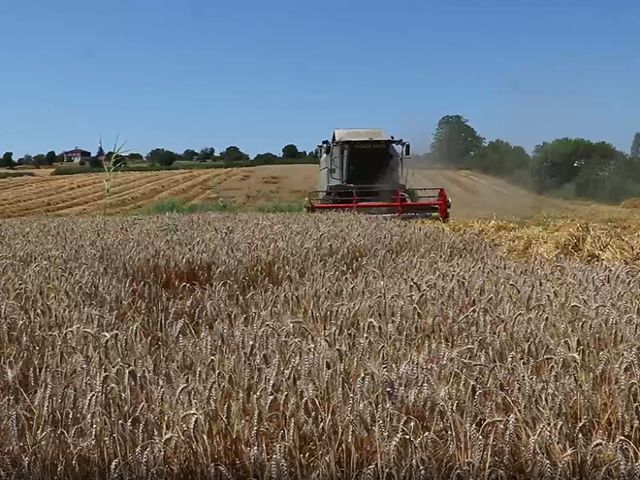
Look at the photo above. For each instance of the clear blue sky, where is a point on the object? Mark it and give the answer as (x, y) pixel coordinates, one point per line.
(260, 74)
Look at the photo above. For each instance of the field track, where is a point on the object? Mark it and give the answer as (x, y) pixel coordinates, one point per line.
(474, 195)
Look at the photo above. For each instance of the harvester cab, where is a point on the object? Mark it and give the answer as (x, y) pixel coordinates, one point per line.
(363, 170)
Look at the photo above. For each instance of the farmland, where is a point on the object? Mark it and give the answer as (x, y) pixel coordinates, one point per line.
(474, 195)
(133, 191)
(306, 346)
(269, 346)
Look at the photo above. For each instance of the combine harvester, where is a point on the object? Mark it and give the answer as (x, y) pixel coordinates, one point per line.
(362, 170)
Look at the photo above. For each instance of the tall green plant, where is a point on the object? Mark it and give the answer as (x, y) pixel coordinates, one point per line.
(114, 163)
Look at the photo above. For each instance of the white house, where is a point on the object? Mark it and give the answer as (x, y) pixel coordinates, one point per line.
(76, 155)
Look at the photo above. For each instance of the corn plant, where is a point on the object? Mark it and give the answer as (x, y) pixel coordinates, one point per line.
(111, 165)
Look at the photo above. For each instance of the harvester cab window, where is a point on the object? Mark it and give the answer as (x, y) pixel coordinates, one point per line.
(368, 163)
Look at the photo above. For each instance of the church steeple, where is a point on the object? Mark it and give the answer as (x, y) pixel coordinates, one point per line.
(100, 153)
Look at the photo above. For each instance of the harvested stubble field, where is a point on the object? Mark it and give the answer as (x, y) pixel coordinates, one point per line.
(132, 192)
(294, 346)
(474, 195)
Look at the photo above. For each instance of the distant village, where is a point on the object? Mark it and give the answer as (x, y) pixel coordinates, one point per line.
(159, 157)
(78, 155)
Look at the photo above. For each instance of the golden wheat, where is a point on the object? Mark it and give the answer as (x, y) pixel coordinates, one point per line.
(266, 346)
(631, 203)
(612, 240)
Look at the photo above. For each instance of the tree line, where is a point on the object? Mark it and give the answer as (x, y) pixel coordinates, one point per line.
(571, 167)
(7, 160)
(232, 154)
(165, 157)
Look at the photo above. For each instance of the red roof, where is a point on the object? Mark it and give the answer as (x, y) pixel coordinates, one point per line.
(78, 151)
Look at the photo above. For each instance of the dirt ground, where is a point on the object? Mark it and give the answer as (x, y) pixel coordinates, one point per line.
(473, 195)
(477, 196)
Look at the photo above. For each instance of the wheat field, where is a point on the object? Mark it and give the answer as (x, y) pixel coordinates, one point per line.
(609, 239)
(304, 346)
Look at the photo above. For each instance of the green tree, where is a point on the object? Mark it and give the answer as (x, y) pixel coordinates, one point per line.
(39, 160)
(96, 162)
(134, 157)
(455, 142)
(596, 170)
(160, 156)
(556, 163)
(50, 158)
(206, 154)
(290, 152)
(189, 155)
(28, 159)
(635, 147)
(266, 159)
(7, 160)
(233, 154)
(116, 160)
(501, 158)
